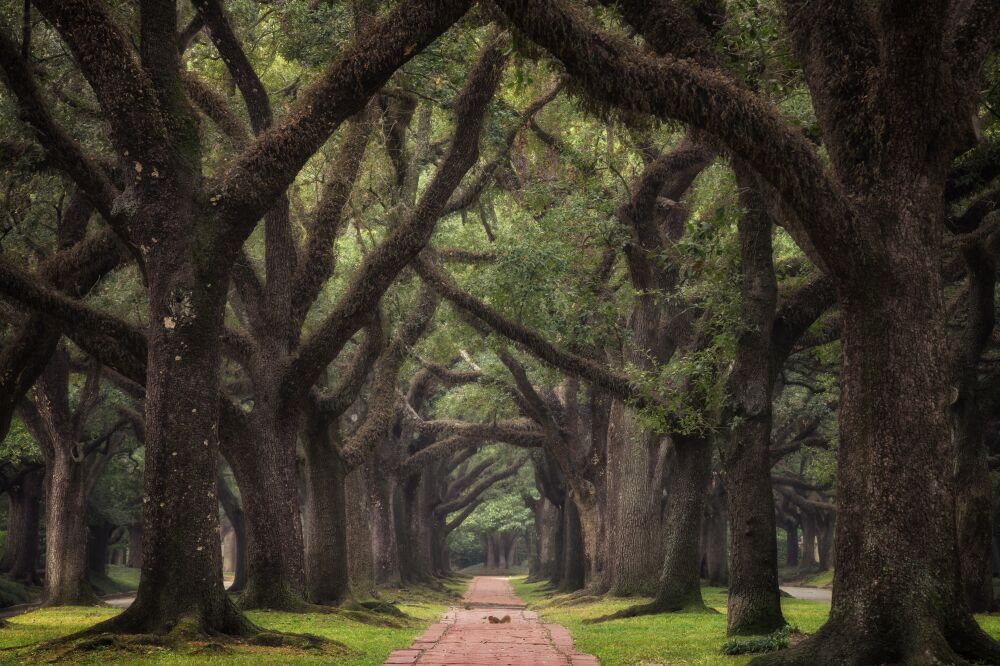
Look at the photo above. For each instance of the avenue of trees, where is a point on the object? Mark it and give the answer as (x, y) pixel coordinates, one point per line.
(338, 295)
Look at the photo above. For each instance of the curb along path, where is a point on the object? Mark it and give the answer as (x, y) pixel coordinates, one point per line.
(466, 637)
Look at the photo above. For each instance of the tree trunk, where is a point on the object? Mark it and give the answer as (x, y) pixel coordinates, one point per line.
(360, 557)
(714, 541)
(491, 553)
(754, 600)
(548, 535)
(135, 546)
(792, 545)
(574, 569)
(633, 516)
(512, 553)
(385, 547)
(415, 553)
(898, 596)
(67, 545)
(182, 564)
(266, 475)
(326, 549)
(559, 546)
(974, 499)
(679, 587)
(20, 557)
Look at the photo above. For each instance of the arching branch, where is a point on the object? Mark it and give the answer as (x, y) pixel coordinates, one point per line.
(405, 241)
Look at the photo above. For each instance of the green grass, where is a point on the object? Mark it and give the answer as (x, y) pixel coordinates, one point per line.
(118, 580)
(670, 639)
(822, 579)
(370, 643)
(126, 577)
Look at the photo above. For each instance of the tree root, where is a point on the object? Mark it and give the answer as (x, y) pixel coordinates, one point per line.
(186, 638)
(652, 608)
(923, 645)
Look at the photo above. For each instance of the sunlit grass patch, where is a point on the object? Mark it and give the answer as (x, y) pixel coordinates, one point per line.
(368, 642)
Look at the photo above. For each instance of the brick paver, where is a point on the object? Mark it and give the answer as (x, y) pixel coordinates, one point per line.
(466, 637)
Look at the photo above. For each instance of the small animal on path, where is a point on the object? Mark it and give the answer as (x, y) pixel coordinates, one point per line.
(493, 619)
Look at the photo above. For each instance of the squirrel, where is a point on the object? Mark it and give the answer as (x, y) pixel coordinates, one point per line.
(499, 620)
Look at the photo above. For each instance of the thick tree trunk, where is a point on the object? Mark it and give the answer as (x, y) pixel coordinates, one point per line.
(20, 557)
(634, 489)
(898, 596)
(415, 553)
(715, 541)
(679, 587)
(974, 518)
(754, 600)
(548, 535)
(181, 577)
(360, 557)
(326, 549)
(974, 499)
(67, 546)
(385, 547)
(574, 569)
(268, 484)
(791, 545)
(595, 549)
(135, 546)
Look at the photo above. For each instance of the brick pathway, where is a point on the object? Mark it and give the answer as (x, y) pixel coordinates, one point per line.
(465, 636)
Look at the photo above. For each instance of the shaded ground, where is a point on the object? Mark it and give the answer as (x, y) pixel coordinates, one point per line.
(492, 629)
(809, 593)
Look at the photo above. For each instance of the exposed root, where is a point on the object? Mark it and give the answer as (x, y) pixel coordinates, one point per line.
(652, 608)
(573, 600)
(384, 607)
(186, 638)
(922, 646)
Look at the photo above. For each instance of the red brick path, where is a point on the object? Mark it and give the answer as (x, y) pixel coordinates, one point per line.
(465, 637)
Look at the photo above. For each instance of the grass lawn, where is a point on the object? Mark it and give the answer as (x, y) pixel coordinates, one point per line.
(368, 640)
(683, 638)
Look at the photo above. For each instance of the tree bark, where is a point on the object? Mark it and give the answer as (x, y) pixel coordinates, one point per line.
(679, 587)
(266, 475)
(754, 600)
(574, 569)
(181, 577)
(135, 546)
(326, 549)
(898, 593)
(634, 490)
(20, 557)
(66, 534)
(792, 545)
(360, 556)
(384, 542)
(974, 500)
(715, 539)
